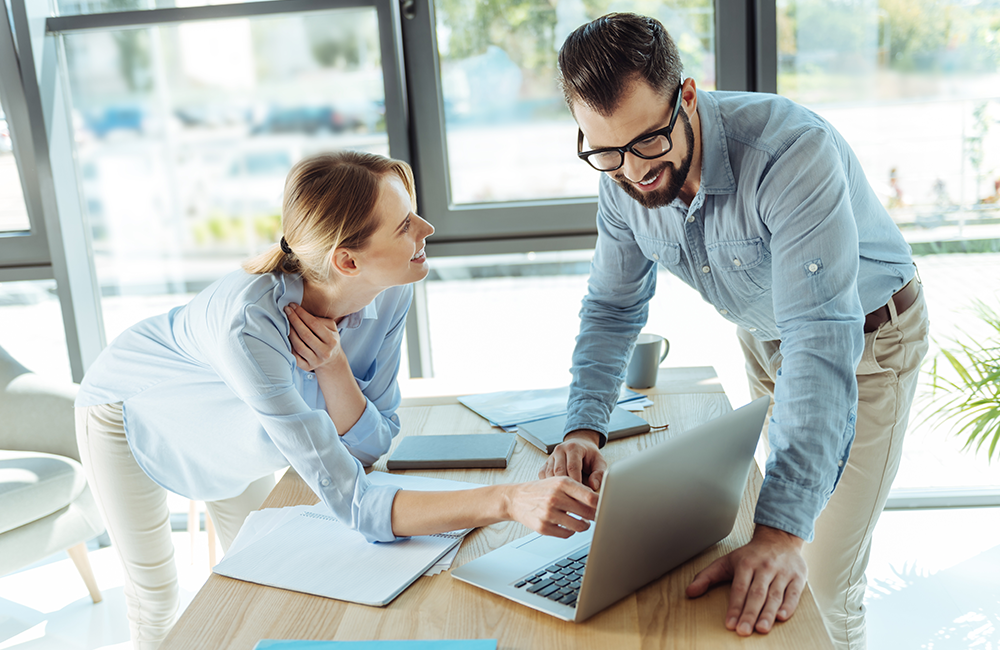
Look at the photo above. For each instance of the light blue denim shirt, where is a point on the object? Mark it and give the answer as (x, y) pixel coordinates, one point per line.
(786, 239)
(212, 398)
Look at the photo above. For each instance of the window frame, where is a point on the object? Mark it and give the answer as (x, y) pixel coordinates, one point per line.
(515, 226)
(24, 255)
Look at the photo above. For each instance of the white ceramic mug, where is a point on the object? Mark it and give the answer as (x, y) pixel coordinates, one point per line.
(646, 359)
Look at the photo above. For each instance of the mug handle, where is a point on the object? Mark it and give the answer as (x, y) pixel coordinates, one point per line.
(666, 349)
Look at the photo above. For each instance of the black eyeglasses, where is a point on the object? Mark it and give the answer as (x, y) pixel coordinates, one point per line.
(647, 146)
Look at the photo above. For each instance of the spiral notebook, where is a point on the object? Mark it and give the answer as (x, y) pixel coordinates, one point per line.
(314, 553)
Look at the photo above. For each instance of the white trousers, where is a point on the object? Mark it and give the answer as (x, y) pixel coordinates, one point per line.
(136, 515)
(887, 381)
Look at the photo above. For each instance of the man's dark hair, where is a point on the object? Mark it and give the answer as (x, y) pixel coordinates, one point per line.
(601, 59)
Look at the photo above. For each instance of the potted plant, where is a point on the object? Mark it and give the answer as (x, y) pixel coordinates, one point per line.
(965, 389)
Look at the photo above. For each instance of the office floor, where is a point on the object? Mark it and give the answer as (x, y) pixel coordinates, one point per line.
(934, 576)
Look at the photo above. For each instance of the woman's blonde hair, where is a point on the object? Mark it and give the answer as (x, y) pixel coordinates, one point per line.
(329, 202)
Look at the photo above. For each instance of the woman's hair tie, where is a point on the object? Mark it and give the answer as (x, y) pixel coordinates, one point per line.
(285, 247)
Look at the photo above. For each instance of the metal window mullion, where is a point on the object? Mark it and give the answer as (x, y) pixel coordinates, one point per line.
(418, 334)
(766, 47)
(427, 137)
(68, 237)
(21, 249)
(734, 44)
(397, 113)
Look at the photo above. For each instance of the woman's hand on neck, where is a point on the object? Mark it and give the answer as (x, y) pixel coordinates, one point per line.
(337, 298)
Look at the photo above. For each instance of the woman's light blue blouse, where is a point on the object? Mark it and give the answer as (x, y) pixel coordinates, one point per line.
(212, 398)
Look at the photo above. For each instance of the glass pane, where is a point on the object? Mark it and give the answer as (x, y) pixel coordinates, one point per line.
(512, 320)
(31, 327)
(82, 7)
(184, 135)
(13, 213)
(509, 135)
(912, 85)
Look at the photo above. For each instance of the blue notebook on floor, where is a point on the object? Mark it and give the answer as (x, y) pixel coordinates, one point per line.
(450, 644)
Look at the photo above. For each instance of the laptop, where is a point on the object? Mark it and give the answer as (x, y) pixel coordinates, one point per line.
(657, 509)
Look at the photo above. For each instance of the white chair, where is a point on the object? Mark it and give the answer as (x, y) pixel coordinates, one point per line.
(45, 503)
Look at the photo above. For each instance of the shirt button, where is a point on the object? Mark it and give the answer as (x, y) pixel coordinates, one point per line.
(325, 482)
(753, 329)
(736, 261)
(723, 311)
(813, 268)
(840, 463)
(310, 376)
(655, 256)
(705, 269)
(690, 218)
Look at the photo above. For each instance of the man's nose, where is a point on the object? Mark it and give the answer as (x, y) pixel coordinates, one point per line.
(635, 168)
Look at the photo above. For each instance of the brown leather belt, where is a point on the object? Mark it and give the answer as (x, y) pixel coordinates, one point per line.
(904, 299)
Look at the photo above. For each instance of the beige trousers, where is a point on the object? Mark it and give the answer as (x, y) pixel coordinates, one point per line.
(135, 512)
(887, 380)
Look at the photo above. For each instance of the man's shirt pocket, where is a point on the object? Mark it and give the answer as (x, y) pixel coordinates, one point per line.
(660, 251)
(744, 267)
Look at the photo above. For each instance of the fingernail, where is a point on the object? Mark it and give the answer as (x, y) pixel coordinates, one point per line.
(744, 628)
(783, 614)
(731, 623)
(764, 625)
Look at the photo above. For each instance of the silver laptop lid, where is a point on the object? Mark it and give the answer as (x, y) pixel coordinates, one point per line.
(664, 505)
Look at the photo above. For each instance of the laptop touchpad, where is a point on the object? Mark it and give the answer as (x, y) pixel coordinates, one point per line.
(546, 546)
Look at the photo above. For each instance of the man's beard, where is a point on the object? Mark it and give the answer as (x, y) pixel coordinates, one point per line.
(675, 181)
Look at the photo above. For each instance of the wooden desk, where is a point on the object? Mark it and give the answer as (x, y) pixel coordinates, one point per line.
(229, 613)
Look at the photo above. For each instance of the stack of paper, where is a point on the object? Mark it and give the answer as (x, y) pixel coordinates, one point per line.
(304, 548)
(509, 408)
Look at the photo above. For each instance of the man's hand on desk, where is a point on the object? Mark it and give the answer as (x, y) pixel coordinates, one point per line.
(768, 576)
(579, 458)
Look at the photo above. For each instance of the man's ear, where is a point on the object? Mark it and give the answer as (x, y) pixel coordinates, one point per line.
(690, 100)
(344, 262)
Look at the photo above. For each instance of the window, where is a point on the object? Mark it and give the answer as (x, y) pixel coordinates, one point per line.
(496, 145)
(912, 86)
(22, 230)
(184, 134)
(13, 213)
(31, 328)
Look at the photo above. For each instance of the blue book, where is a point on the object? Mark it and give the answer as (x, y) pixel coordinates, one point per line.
(450, 644)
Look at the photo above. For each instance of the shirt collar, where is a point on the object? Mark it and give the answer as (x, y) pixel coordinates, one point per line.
(353, 321)
(293, 293)
(716, 173)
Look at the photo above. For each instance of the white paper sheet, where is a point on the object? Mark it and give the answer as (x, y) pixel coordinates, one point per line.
(303, 548)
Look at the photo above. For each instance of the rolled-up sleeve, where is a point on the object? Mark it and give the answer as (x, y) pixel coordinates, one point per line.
(622, 281)
(804, 201)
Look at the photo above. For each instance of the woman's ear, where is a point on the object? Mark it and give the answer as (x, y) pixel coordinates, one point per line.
(344, 262)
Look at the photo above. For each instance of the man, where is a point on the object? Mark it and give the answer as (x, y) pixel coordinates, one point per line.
(761, 206)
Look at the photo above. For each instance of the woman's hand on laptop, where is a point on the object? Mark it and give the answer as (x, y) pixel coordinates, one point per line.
(579, 458)
(768, 576)
(548, 506)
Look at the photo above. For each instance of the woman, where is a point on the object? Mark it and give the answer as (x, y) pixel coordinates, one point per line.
(291, 361)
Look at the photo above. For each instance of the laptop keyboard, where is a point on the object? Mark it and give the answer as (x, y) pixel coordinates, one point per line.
(560, 581)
